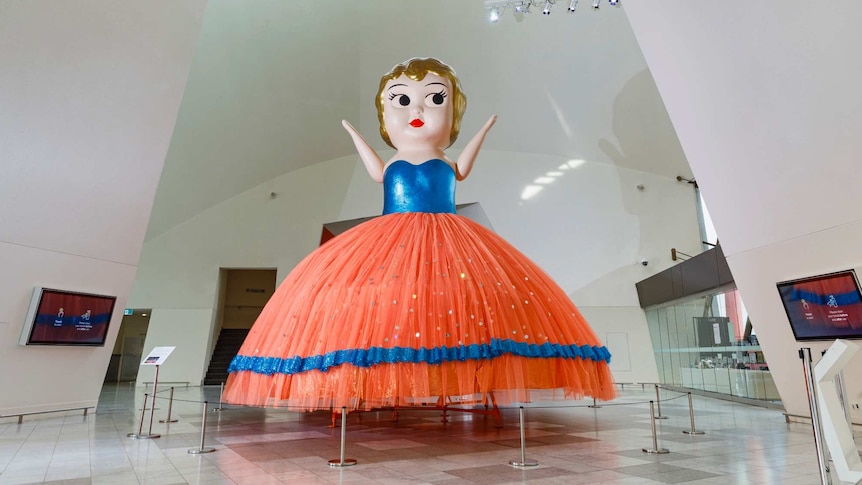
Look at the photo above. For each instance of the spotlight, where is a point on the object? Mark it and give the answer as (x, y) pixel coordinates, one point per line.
(496, 9)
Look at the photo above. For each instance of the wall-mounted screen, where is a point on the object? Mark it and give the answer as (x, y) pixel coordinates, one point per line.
(823, 307)
(59, 317)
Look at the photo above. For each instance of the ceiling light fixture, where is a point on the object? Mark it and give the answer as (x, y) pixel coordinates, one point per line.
(497, 7)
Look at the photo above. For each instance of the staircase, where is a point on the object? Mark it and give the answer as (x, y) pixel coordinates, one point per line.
(228, 344)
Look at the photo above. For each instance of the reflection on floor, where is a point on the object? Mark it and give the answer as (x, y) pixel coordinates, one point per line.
(573, 444)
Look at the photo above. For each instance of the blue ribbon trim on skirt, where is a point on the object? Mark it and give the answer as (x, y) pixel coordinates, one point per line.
(437, 355)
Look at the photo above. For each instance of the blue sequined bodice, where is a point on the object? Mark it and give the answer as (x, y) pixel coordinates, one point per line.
(428, 187)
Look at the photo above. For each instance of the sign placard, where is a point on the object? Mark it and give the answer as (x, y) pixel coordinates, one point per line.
(158, 356)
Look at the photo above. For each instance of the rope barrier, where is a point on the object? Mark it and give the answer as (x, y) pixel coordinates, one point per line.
(342, 461)
(419, 407)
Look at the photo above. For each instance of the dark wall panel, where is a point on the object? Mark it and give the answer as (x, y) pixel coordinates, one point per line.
(706, 271)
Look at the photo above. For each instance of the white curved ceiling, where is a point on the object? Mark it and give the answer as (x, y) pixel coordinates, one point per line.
(272, 80)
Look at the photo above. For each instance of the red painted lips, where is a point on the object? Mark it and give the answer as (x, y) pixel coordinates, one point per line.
(417, 123)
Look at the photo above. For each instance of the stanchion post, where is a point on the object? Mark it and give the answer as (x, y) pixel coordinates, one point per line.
(658, 404)
(149, 435)
(143, 413)
(170, 406)
(655, 449)
(523, 462)
(201, 449)
(691, 417)
(342, 461)
(594, 405)
(220, 394)
(805, 355)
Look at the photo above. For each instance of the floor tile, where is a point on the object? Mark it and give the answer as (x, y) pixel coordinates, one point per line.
(572, 443)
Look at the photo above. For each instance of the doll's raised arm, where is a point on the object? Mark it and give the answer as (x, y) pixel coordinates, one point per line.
(468, 156)
(372, 161)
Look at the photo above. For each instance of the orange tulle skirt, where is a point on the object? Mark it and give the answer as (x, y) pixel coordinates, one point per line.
(410, 306)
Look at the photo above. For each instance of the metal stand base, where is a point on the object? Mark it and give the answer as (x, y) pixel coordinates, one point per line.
(659, 451)
(143, 436)
(201, 451)
(693, 432)
(340, 463)
(524, 463)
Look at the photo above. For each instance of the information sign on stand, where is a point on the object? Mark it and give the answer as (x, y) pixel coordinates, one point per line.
(156, 357)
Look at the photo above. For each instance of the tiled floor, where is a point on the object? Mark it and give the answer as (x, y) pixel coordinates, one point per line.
(572, 443)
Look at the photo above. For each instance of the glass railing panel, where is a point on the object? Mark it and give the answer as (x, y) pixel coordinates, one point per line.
(701, 343)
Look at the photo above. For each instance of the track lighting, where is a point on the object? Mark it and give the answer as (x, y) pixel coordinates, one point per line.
(497, 7)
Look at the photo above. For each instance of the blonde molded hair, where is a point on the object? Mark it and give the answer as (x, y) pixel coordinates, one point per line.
(416, 69)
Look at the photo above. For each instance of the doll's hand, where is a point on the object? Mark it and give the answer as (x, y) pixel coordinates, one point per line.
(350, 129)
(488, 125)
(372, 161)
(468, 156)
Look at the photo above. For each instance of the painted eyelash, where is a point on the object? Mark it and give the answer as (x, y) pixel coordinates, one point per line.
(392, 96)
(442, 93)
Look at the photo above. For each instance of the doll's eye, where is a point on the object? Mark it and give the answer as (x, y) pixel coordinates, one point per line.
(436, 99)
(399, 99)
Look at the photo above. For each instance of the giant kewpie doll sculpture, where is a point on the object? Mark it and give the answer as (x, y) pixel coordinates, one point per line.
(419, 302)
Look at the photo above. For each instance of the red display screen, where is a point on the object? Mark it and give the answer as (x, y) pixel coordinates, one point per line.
(823, 307)
(60, 317)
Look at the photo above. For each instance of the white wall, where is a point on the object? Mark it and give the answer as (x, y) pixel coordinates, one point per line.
(589, 229)
(90, 93)
(179, 270)
(764, 97)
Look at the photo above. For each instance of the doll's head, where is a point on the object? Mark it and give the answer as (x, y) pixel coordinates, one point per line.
(416, 69)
